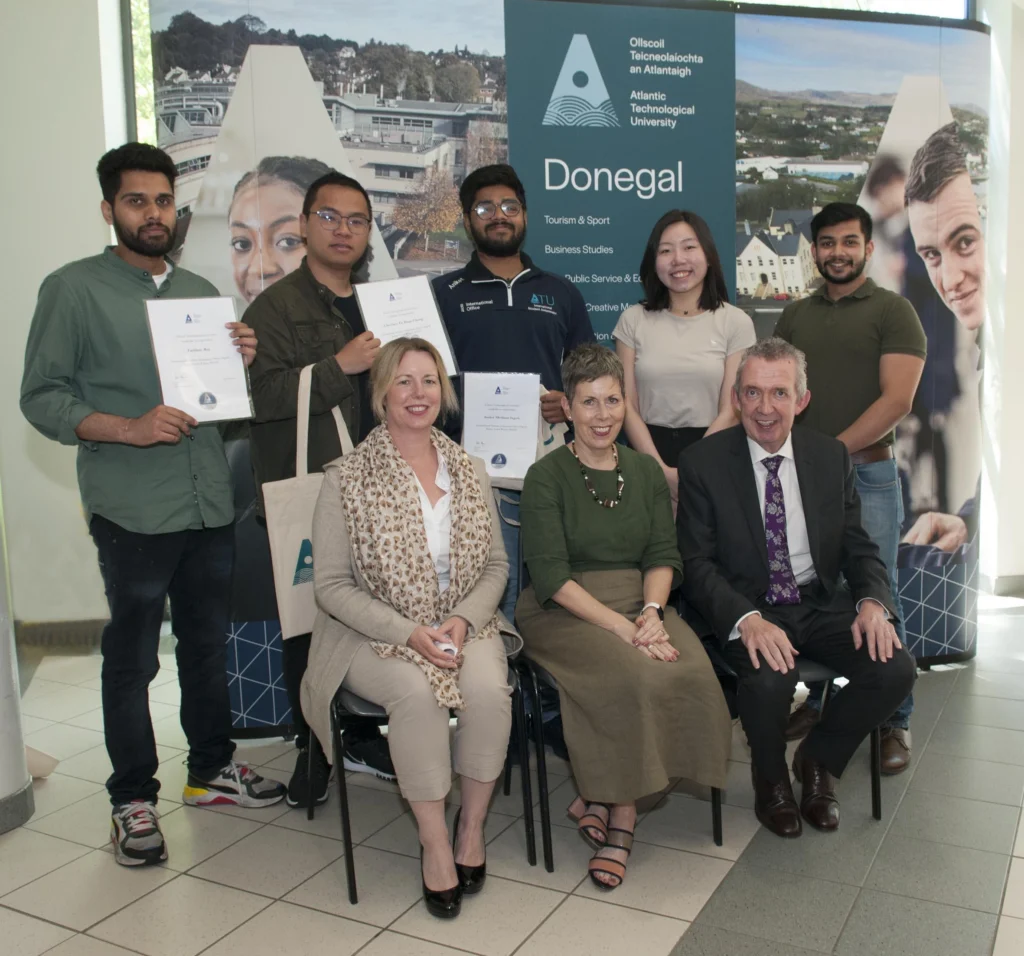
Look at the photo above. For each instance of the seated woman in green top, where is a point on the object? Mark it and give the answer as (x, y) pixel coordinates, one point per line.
(640, 701)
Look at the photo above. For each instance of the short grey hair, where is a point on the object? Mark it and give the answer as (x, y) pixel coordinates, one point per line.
(588, 363)
(776, 350)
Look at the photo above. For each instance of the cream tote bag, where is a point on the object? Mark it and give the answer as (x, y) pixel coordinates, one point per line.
(289, 506)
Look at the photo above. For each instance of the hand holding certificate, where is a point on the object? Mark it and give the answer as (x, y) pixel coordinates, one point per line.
(200, 368)
(397, 308)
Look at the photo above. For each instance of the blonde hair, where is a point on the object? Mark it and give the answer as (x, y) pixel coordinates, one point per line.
(384, 371)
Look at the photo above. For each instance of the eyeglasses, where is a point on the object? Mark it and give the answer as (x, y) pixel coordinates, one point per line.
(331, 220)
(487, 209)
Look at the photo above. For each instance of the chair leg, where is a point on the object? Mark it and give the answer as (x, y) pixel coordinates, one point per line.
(826, 696)
(542, 773)
(346, 823)
(716, 815)
(507, 782)
(523, 745)
(309, 774)
(876, 774)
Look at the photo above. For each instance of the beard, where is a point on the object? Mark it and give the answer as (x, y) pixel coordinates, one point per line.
(855, 273)
(150, 246)
(499, 248)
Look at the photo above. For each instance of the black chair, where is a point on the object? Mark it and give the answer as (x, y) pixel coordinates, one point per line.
(346, 706)
(809, 672)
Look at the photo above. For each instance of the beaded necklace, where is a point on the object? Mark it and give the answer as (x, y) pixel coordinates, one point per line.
(603, 502)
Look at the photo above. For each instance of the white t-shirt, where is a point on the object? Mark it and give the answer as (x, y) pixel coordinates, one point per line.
(162, 278)
(680, 361)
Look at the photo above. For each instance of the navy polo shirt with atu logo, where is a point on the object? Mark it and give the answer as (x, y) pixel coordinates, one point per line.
(527, 324)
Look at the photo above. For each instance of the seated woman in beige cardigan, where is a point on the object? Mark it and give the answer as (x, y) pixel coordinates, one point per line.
(410, 569)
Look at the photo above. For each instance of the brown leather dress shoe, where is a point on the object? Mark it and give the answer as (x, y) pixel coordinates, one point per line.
(775, 806)
(895, 750)
(818, 804)
(801, 722)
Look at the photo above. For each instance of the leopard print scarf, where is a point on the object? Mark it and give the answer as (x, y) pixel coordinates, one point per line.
(380, 495)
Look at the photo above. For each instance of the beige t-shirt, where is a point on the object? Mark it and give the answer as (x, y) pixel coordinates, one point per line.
(680, 361)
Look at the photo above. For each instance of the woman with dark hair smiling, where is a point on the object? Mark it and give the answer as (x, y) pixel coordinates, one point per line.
(681, 344)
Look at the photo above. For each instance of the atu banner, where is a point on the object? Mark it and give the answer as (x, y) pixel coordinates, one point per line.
(615, 117)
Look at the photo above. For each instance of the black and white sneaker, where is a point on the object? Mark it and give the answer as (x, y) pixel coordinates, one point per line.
(135, 834)
(236, 784)
(369, 756)
(301, 786)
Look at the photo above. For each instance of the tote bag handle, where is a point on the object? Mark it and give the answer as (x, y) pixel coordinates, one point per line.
(302, 425)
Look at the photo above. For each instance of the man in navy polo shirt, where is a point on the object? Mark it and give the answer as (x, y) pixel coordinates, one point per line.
(505, 315)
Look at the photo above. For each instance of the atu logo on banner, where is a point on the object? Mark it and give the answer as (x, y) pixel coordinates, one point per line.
(580, 97)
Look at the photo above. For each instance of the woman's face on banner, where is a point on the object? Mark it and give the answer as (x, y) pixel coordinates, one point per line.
(681, 264)
(265, 241)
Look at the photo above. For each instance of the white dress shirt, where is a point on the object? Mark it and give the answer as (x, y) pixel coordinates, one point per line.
(437, 520)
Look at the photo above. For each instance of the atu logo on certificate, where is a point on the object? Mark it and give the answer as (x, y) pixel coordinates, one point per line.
(580, 97)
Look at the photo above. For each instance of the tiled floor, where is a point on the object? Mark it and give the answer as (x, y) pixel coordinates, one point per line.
(941, 875)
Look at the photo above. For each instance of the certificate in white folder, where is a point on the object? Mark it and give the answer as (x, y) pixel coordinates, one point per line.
(500, 415)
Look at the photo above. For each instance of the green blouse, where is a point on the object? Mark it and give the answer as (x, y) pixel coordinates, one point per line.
(565, 531)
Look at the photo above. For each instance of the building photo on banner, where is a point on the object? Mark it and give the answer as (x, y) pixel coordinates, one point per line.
(612, 115)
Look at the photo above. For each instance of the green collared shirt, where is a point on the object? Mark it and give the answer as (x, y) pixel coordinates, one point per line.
(844, 341)
(89, 351)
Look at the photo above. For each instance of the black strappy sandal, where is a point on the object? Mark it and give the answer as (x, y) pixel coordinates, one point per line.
(622, 840)
(590, 826)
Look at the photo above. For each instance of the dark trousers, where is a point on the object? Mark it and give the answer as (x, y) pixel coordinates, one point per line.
(140, 572)
(670, 443)
(822, 635)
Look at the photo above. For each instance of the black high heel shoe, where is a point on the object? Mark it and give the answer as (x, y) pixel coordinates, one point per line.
(471, 878)
(444, 904)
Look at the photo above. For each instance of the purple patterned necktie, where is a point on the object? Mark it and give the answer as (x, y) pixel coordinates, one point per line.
(782, 587)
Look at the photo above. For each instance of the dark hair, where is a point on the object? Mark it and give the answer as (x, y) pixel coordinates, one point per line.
(837, 212)
(588, 363)
(298, 171)
(132, 157)
(500, 174)
(886, 169)
(656, 295)
(942, 158)
(361, 267)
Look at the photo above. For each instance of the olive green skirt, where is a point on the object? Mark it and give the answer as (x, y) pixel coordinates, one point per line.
(631, 723)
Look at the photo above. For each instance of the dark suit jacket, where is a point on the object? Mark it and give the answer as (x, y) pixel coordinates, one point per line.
(721, 532)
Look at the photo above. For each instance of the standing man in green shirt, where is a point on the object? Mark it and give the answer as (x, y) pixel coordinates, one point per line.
(865, 349)
(157, 494)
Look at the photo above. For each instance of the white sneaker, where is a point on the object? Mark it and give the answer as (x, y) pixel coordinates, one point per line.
(136, 835)
(236, 784)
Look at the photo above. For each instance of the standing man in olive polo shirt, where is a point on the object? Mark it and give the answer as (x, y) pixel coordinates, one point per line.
(157, 494)
(865, 349)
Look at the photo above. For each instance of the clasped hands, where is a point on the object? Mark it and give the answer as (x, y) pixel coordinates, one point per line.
(455, 630)
(871, 627)
(648, 635)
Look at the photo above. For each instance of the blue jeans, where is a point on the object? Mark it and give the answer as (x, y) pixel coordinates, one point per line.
(508, 509)
(881, 514)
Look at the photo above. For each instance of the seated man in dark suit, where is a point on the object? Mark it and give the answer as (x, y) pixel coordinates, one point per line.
(768, 521)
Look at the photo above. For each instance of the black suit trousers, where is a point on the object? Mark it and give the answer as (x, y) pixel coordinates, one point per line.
(821, 634)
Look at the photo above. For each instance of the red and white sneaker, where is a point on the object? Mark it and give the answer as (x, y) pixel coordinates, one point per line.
(135, 834)
(236, 784)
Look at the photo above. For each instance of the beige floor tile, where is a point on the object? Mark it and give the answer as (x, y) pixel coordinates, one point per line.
(70, 668)
(87, 946)
(369, 811)
(26, 855)
(57, 791)
(64, 741)
(27, 936)
(67, 702)
(1009, 937)
(684, 823)
(86, 822)
(179, 919)
(401, 836)
(94, 764)
(582, 927)
(670, 882)
(167, 730)
(87, 890)
(97, 684)
(270, 861)
(493, 923)
(38, 687)
(286, 929)
(1018, 847)
(1013, 897)
(395, 944)
(506, 857)
(29, 725)
(166, 692)
(739, 792)
(194, 836)
(512, 805)
(93, 720)
(561, 793)
(388, 885)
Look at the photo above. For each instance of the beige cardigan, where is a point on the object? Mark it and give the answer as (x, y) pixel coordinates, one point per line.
(348, 614)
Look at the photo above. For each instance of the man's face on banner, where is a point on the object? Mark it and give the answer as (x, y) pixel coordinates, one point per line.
(948, 236)
(338, 247)
(501, 235)
(266, 243)
(143, 213)
(841, 252)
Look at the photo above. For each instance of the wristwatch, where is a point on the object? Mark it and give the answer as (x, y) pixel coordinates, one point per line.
(657, 607)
